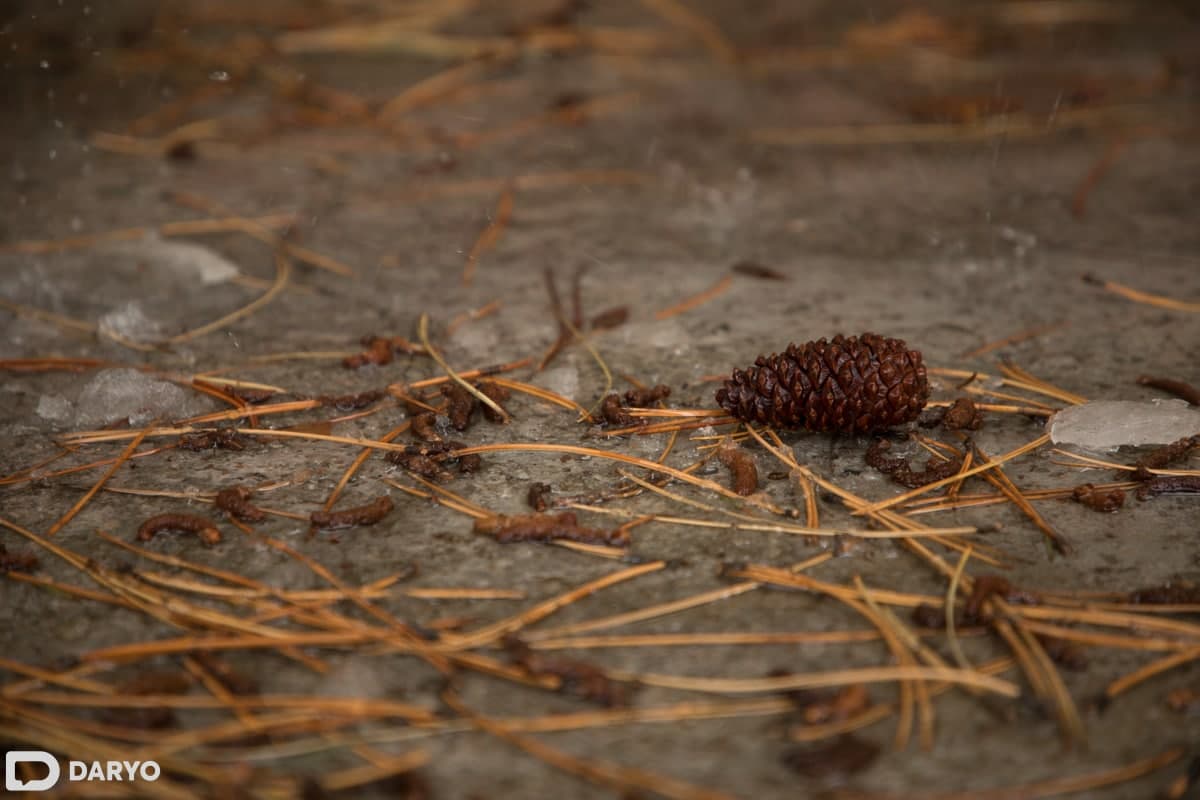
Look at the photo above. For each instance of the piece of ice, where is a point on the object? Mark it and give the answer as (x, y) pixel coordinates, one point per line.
(1109, 424)
(183, 258)
(55, 408)
(114, 394)
(130, 322)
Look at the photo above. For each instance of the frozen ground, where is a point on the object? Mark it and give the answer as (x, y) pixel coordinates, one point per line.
(948, 245)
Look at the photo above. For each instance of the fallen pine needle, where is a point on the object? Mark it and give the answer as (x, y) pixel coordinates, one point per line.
(705, 30)
(605, 773)
(1137, 296)
(283, 272)
(1016, 338)
(75, 509)
(496, 630)
(712, 292)
(1060, 786)
(490, 235)
(821, 680)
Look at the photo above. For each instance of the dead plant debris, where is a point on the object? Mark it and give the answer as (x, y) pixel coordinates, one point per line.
(1168, 484)
(369, 514)
(221, 438)
(579, 678)
(187, 523)
(538, 496)
(1180, 593)
(429, 460)
(1104, 500)
(753, 269)
(547, 528)
(962, 415)
(19, 561)
(1164, 457)
(236, 501)
(844, 757)
(352, 402)
(898, 469)
(742, 470)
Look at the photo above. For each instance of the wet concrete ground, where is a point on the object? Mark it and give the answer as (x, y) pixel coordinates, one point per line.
(946, 244)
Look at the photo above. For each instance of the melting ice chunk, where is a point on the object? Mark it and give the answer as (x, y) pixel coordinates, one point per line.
(130, 322)
(183, 258)
(1109, 424)
(55, 408)
(127, 393)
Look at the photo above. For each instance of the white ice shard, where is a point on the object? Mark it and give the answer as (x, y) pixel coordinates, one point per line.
(129, 321)
(114, 394)
(1109, 424)
(186, 259)
(55, 408)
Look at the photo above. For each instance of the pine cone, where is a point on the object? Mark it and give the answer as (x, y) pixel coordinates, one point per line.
(852, 384)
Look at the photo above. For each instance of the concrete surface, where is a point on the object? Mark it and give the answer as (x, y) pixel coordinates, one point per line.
(947, 245)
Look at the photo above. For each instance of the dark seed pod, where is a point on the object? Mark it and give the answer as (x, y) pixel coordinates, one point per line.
(854, 384)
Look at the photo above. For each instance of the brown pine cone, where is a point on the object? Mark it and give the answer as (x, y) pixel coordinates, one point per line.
(854, 384)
